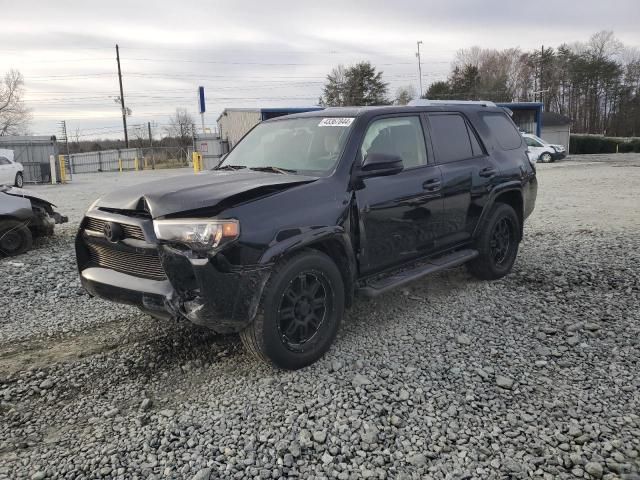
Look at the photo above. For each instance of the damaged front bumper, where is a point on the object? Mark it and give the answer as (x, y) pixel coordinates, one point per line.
(225, 302)
(212, 293)
(206, 291)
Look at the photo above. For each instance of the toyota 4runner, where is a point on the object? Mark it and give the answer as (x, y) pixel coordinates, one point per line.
(309, 210)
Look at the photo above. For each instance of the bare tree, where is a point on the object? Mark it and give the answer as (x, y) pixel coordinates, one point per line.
(14, 115)
(405, 94)
(604, 44)
(180, 124)
(181, 130)
(139, 133)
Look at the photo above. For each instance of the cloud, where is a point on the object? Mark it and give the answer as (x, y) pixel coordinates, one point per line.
(256, 53)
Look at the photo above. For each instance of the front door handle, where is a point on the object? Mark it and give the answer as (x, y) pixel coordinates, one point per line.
(488, 172)
(432, 185)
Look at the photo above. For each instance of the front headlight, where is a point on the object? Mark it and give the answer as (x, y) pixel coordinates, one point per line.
(197, 233)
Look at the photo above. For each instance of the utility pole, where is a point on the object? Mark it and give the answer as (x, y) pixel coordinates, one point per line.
(153, 157)
(541, 77)
(124, 111)
(419, 66)
(63, 133)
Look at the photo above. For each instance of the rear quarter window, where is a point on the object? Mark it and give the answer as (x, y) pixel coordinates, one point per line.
(503, 130)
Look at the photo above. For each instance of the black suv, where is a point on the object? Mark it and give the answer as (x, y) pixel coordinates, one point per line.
(309, 210)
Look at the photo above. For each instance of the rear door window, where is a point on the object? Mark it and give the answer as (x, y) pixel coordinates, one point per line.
(450, 138)
(503, 130)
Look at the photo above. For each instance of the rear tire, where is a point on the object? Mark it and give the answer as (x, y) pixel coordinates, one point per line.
(19, 181)
(299, 314)
(497, 244)
(15, 238)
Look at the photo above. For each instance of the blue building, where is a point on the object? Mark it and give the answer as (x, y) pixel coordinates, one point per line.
(527, 115)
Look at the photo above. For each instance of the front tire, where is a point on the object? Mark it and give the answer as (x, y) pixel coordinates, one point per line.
(497, 244)
(299, 314)
(15, 238)
(546, 157)
(19, 181)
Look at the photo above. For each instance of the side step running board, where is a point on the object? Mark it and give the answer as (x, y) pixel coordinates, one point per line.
(382, 285)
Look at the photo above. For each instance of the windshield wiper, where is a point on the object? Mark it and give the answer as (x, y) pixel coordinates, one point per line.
(273, 169)
(230, 167)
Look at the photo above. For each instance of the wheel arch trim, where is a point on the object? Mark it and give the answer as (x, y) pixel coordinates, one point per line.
(325, 239)
(504, 190)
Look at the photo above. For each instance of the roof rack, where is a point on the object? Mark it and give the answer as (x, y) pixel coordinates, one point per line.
(425, 102)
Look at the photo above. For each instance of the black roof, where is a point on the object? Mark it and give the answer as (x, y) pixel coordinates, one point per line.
(553, 119)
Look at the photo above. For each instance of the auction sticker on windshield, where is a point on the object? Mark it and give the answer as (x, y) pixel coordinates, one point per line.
(336, 122)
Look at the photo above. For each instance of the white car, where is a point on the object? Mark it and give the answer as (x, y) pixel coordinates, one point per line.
(11, 172)
(543, 151)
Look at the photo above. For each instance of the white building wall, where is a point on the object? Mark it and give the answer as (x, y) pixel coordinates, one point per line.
(235, 124)
(557, 134)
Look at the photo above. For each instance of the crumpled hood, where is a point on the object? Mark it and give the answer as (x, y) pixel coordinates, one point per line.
(204, 190)
(21, 192)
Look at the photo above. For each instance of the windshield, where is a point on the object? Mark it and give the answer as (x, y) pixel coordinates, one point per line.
(298, 145)
(538, 139)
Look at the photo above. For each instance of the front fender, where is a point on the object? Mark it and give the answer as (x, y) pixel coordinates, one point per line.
(291, 240)
(333, 240)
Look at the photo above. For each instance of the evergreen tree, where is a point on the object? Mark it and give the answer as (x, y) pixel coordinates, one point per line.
(358, 85)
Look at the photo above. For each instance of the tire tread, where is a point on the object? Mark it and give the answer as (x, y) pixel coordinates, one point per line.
(6, 225)
(481, 267)
(252, 336)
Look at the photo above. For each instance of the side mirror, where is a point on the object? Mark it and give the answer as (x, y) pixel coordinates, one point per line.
(380, 164)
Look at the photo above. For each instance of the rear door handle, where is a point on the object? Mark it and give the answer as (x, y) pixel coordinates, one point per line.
(432, 185)
(488, 172)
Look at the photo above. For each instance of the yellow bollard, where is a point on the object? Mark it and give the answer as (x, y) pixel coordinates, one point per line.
(135, 164)
(120, 165)
(63, 169)
(146, 164)
(197, 161)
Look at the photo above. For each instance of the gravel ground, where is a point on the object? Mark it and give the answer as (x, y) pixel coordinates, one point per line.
(532, 376)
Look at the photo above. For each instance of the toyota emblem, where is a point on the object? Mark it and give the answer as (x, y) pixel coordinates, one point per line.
(112, 232)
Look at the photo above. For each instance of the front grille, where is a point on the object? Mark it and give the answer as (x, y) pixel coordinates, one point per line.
(132, 263)
(130, 231)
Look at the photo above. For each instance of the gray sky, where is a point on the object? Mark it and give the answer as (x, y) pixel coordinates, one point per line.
(258, 53)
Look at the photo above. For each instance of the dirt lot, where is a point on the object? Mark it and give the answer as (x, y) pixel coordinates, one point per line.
(533, 376)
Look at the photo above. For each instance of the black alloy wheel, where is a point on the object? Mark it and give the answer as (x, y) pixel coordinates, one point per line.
(303, 308)
(501, 240)
(497, 244)
(300, 311)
